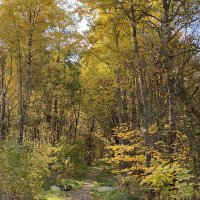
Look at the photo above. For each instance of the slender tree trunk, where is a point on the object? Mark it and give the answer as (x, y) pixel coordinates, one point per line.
(89, 144)
(28, 68)
(168, 63)
(119, 91)
(125, 106)
(28, 71)
(20, 84)
(77, 116)
(134, 120)
(3, 100)
(119, 97)
(21, 99)
(139, 65)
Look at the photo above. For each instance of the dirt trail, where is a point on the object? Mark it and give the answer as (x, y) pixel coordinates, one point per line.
(84, 193)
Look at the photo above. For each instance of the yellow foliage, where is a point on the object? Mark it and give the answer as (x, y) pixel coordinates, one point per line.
(153, 129)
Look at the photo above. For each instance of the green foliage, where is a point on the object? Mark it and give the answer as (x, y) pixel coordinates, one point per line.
(171, 182)
(168, 181)
(105, 178)
(114, 195)
(76, 184)
(132, 188)
(137, 65)
(23, 170)
(27, 171)
(59, 195)
(67, 161)
(125, 189)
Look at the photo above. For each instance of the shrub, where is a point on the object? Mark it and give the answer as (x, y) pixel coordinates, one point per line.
(67, 158)
(132, 187)
(171, 182)
(23, 170)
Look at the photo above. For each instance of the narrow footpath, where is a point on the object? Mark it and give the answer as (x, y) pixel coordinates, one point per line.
(84, 192)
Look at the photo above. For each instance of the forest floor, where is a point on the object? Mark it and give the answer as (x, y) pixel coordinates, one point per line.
(97, 184)
(85, 192)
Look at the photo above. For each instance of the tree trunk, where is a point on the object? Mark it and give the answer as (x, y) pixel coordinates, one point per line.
(77, 116)
(21, 99)
(3, 100)
(168, 63)
(89, 144)
(119, 97)
(139, 65)
(28, 68)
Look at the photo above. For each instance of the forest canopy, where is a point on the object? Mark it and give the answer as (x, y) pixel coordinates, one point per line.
(100, 82)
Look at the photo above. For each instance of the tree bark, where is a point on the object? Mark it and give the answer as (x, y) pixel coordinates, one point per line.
(28, 70)
(77, 116)
(168, 63)
(21, 99)
(3, 99)
(89, 144)
(139, 65)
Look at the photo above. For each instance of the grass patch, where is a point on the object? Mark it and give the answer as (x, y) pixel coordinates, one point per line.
(81, 173)
(52, 195)
(76, 184)
(114, 195)
(105, 178)
(61, 195)
(76, 181)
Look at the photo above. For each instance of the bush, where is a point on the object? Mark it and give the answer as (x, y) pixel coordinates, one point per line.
(132, 187)
(23, 170)
(67, 159)
(171, 182)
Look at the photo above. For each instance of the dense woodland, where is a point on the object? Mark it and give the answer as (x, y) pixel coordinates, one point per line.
(123, 92)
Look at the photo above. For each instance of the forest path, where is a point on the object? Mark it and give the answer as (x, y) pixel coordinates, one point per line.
(84, 192)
